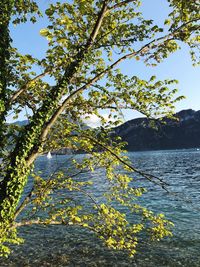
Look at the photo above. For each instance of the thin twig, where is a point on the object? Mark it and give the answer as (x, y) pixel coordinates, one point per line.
(149, 177)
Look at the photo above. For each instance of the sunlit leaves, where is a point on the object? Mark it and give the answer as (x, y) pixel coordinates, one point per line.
(76, 79)
(186, 13)
(25, 10)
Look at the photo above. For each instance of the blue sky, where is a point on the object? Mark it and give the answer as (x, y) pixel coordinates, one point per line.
(177, 66)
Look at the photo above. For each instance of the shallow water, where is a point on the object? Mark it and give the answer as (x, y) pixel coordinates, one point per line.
(68, 246)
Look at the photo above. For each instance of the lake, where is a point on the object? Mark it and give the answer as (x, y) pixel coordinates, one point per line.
(68, 246)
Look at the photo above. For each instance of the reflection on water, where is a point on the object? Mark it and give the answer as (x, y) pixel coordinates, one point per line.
(68, 246)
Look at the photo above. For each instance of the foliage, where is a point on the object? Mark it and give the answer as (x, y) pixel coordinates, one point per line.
(87, 41)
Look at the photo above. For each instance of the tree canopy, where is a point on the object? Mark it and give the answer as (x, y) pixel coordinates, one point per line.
(78, 77)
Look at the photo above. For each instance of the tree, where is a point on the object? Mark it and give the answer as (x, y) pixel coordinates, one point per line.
(87, 41)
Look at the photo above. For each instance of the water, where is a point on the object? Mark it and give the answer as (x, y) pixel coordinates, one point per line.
(66, 246)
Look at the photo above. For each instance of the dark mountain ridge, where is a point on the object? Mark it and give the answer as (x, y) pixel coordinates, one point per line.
(149, 134)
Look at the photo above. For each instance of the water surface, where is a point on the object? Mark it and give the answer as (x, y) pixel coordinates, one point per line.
(67, 246)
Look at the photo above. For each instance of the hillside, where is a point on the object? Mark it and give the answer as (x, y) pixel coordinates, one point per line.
(147, 134)
(174, 134)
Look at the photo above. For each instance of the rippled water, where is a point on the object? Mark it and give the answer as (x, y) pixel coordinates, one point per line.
(65, 246)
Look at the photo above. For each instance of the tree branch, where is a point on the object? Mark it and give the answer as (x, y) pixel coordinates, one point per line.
(38, 222)
(156, 42)
(98, 23)
(53, 222)
(149, 177)
(24, 203)
(67, 77)
(123, 3)
(55, 116)
(25, 87)
(89, 43)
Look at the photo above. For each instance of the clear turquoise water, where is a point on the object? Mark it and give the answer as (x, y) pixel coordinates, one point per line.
(65, 246)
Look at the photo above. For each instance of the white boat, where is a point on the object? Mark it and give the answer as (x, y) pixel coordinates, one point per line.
(49, 155)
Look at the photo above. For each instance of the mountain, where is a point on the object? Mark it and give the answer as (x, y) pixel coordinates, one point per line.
(149, 134)
(21, 123)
